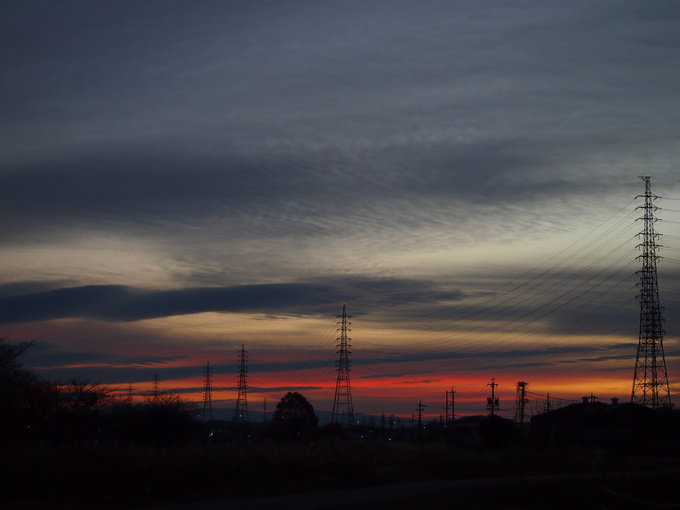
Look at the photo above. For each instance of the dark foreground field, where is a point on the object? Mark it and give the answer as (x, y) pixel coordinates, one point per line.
(79, 477)
(556, 492)
(582, 491)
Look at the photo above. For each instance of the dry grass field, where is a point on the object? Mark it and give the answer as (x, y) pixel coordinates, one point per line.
(77, 477)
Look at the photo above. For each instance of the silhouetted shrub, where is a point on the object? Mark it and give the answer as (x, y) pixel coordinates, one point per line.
(294, 418)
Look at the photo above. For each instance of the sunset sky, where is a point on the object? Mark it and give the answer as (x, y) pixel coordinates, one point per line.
(180, 177)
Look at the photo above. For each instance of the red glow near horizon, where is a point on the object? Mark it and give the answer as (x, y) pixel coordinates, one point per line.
(393, 388)
(396, 395)
(378, 385)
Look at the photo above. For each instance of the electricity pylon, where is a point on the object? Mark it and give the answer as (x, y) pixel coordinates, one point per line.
(242, 399)
(156, 388)
(343, 411)
(650, 382)
(449, 409)
(207, 394)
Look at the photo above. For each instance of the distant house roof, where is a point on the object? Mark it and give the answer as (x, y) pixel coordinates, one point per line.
(597, 421)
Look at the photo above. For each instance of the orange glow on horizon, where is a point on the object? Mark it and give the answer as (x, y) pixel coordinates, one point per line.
(392, 368)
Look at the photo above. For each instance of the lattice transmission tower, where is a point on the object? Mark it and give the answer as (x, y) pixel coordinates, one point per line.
(242, 399)
(449, 407)
(207, 394)
(343, 411)
(155, 395)
(650, 382)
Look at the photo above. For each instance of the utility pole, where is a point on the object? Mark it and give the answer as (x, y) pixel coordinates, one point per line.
(421, 406)
(343, 411)
(650, 381)
(521, 402)
(241, 413)
(207, 413)
(492, 402)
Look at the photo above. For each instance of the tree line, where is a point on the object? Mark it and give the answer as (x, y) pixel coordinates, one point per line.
(36, 411)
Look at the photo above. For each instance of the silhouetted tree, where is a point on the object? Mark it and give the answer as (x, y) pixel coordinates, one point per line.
(165, 418)
(25, 399)
(14, 378)
(81, 396)
(83, 408)
(294, 417)
(78, 410)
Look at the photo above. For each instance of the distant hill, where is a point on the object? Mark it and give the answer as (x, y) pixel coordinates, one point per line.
(255, 416)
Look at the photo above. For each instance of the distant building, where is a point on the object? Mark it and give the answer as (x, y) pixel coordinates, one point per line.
(606, 424)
